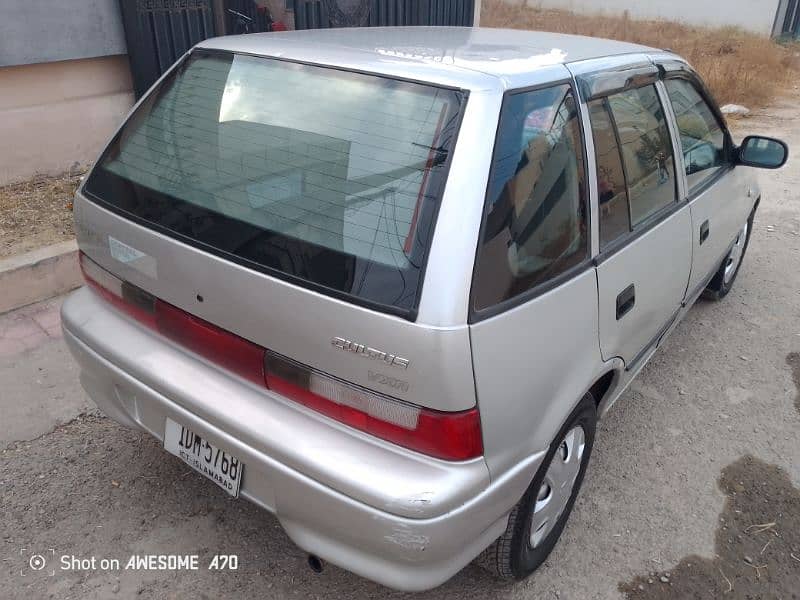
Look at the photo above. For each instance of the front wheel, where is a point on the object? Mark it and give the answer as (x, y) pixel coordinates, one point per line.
(722, 282)
(536, 522)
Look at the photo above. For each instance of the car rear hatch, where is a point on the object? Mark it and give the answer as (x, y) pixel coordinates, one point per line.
(293, 207)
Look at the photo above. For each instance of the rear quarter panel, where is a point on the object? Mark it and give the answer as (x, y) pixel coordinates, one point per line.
(532, 365)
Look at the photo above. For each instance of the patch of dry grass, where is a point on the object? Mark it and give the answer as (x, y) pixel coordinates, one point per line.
(739, 67)
(36, 213)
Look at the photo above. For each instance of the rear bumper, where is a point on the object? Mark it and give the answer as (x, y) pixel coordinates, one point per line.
(391, 515)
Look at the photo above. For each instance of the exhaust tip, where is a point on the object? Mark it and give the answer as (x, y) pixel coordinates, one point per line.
(316, 564)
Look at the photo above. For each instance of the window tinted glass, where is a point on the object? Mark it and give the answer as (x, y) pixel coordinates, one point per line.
(535, 226)
(614, 218)
(323, 175)
(702, 138)
(646, 150)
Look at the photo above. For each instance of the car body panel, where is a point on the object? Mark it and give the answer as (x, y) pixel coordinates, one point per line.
(666, 250)
(515, 354)
(725, 206)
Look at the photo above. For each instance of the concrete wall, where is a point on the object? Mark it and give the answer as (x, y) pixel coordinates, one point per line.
(53, 115)
(36, 31)
(755, 15)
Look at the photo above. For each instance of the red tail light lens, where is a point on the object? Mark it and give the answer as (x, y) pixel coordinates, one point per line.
(221, 347)
(112, 289)
(209, 341)
(445, 435)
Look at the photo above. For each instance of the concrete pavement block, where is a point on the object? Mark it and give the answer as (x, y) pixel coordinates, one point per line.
(39, 275)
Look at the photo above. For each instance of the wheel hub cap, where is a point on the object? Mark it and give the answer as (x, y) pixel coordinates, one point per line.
(735, 257)
(556, 488)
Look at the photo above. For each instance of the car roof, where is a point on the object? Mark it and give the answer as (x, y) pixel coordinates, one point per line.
(469, 57)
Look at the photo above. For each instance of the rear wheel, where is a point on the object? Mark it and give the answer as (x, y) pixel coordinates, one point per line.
(723, 280)
(536, 522)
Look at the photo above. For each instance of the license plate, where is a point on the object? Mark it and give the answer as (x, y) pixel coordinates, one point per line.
(204, 457)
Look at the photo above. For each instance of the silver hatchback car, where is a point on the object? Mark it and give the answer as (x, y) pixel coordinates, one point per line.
(384, 282)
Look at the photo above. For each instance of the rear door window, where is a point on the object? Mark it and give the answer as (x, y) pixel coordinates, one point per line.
(634, 159)
(325, 177)
(646, 151)
(535, 225)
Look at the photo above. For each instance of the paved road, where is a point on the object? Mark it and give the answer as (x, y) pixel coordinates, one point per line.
(702, 448)
(39, 386)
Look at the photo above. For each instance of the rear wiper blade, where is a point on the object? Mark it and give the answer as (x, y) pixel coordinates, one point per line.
(441, 152)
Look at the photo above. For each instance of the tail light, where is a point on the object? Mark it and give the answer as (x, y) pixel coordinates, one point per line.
(221, 347)
(209, 341)
(445, 435)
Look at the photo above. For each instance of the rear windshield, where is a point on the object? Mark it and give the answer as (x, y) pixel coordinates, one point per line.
(325, 177)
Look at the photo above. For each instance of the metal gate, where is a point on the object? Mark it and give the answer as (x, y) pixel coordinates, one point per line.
(320, 14)
(244, 16)
(158, 32)
(791, 22)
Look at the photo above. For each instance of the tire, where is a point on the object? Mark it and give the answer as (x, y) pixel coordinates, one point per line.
(723, 279)
(512, 555)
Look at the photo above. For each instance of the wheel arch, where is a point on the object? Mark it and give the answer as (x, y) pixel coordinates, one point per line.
(602, 388)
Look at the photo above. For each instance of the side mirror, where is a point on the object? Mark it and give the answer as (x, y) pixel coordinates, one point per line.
(762, 152)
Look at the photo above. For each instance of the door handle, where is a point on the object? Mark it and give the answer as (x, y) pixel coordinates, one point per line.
(704, 231)
(625, 301)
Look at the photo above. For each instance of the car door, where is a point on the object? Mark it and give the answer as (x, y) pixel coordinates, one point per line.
(718, 194)
(644, 257)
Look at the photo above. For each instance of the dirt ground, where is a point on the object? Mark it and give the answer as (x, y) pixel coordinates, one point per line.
(756, 545)
(37, 213)
(693, 484)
